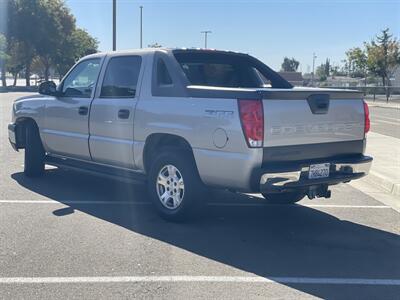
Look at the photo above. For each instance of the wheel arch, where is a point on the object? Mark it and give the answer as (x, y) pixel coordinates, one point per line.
(22, 123)
(157, 141)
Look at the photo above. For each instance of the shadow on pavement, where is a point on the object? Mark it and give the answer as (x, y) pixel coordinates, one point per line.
(294, 241)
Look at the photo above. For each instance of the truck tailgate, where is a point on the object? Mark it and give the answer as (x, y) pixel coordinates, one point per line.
(293, 122)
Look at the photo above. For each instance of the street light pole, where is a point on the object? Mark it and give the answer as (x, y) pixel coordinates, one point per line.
(114, 25)
(206, 32)
(313, 65)
(141, 26)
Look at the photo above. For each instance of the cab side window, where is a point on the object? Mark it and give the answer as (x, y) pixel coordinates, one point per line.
(82, 79)
(163, 77)
(121, 77)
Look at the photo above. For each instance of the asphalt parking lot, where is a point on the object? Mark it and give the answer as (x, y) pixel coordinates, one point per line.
(385, 121)
(71, 235)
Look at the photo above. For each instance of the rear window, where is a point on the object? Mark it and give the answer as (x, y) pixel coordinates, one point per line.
(227, 70)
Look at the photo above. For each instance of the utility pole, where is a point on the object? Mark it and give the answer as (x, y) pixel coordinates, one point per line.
(114, 25)
(313, 65)
(206, 32)
(141, 26)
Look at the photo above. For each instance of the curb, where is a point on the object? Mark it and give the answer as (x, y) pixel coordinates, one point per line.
(383, 105)
(384, 183)
(11, 89)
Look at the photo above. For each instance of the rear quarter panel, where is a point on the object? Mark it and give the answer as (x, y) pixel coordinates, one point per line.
(197, 120)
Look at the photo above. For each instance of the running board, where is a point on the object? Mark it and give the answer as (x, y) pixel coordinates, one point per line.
(95, 169)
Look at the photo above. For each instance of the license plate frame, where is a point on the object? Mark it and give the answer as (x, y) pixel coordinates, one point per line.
(318, 171)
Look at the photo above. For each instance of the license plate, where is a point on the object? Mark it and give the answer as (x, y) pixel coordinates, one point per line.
(319, 171)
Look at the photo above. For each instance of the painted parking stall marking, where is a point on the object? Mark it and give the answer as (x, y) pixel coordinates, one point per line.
(211, 279)
(209, 204)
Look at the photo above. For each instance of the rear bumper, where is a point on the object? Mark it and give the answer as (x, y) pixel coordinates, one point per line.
(295, 176)
(12, 137)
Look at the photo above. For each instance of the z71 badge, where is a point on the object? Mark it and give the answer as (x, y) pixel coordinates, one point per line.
(222, 114)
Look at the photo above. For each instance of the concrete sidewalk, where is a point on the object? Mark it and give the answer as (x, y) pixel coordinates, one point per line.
(382, 103)
(385, 171)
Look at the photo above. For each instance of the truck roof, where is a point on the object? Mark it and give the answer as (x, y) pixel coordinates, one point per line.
(163, 49)
(276, 80)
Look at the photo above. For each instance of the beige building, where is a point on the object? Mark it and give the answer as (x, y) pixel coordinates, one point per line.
(295, 78)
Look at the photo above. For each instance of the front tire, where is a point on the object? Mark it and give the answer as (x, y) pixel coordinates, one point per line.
(284, 198)
(34, 152)
(174, 185)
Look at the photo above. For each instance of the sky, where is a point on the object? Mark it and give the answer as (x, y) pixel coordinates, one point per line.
(269, 30)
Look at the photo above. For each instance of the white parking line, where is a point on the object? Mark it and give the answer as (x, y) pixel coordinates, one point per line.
(74, 202)
(209, 204)
(212, 279)
(300, 205)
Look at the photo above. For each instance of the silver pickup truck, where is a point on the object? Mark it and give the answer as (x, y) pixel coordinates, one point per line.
(187, 119)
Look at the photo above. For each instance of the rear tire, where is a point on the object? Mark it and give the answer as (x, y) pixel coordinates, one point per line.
(284, 198)
(174, 185)
(34, 152)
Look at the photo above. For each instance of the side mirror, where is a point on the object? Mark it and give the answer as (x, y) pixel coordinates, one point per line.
(48, 88)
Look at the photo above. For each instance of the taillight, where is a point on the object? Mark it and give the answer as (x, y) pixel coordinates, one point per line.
(367, 123)
(252, 118)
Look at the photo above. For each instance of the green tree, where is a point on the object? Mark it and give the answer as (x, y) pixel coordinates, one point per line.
(3, 59)
(46, 33)
(56, 24)
(338, 71)
(154, 45)
(84, 43)
(23, 25)
(15, 65)
(357, 63)
(327, 67)
(383, 57)
(321, 72)
(77, 45)
(290, 65)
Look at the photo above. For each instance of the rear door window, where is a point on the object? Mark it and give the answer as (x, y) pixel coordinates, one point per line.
(121, 77)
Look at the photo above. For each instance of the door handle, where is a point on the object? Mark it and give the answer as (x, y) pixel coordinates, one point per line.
(123, 113)
(83, 110)
(319, 103)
